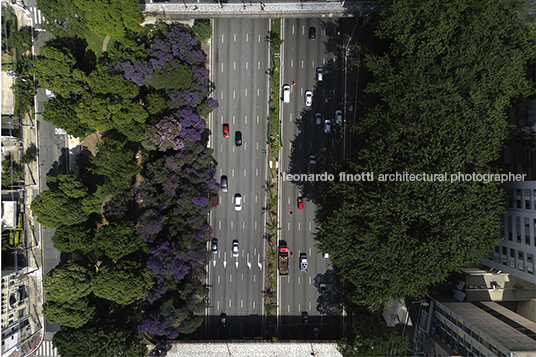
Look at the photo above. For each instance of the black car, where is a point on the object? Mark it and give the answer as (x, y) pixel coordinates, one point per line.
(305, 318)
(214, 246)
(312, 33)
(238, 138)
(223, 319)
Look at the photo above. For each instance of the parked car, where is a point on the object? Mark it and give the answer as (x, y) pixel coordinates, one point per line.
(224, 187)
(318, 117)
(308, 98)
(312, 33)
(300, 203)
(238, 202)
(214, 246)
(305, 318)
(225, 130)
(338, 117)
(327, 126)
(235, 248)
(238, 138)
(216, 200)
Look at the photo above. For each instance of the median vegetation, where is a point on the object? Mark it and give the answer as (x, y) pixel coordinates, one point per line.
(274, 147)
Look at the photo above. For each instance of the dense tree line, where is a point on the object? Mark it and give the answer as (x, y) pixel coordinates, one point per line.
(122, 281)
(441, 78)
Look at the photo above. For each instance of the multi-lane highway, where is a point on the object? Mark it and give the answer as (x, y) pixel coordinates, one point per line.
(302, 55)
(240, 61)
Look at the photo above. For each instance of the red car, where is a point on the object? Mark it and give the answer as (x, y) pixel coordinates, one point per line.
(225, 130)
(300, 203)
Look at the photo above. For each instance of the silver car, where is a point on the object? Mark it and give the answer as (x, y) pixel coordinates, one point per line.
(327, 126)
(308, 98)
(338, 117)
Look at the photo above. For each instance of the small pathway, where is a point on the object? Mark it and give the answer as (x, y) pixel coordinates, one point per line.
(105, 43)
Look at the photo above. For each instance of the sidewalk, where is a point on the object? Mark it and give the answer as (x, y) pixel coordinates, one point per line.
(257, 9)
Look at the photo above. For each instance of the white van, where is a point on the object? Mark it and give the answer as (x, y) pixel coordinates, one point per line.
(286, 94)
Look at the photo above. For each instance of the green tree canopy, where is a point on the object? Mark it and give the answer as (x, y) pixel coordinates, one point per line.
(67, 281)
(62, 113)
(21, 39)
(64, 18)
(390, 344)
(111, 17)
(69, 239)
(73, 313)
(67, 204)
(101, 340)
(55, 69)
(437, 103)
(116, 162)
(110, 102)
(202, 29)
(124, 283)
(118, 239)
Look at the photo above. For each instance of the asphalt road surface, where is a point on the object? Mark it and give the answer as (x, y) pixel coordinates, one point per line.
(301, 291)
(240, 60)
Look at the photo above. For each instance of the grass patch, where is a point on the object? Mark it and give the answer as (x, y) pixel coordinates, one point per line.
(94, 42)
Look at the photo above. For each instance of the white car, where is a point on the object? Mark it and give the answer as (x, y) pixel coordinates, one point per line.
(235, 248)
(318, 117)
(308, 98)
(338, 117)
(327, 126)
(238, 202)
